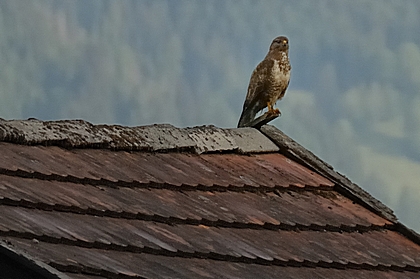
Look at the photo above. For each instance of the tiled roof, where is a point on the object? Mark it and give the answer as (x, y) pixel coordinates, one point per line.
(98, 201)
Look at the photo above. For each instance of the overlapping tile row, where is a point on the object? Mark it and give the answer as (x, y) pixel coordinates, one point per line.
(79, 262)
(385, 248)
(264, 170)
(288, 208)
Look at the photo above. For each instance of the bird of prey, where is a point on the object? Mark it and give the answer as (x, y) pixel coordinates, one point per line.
(268, 82)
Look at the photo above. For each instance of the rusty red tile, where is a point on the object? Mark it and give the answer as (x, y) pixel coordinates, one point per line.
(301, 174)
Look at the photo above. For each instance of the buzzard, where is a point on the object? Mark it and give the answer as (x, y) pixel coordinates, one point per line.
(268, 82)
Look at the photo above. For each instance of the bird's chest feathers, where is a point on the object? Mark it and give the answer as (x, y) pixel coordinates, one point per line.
(280, 74)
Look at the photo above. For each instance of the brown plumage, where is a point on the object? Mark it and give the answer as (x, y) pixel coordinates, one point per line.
(268, 81)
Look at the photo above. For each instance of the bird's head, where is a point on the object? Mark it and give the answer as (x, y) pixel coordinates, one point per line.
(280, 44)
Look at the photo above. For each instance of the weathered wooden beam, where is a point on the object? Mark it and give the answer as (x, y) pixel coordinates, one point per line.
(263, 119)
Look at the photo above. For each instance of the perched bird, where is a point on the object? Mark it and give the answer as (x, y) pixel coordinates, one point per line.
(268, 81)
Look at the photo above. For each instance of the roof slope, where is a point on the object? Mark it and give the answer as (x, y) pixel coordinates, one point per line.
(162, 202)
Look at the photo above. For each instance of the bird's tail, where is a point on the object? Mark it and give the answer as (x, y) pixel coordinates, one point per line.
(246, 117)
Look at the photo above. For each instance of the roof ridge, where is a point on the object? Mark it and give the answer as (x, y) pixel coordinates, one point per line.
(150, 138)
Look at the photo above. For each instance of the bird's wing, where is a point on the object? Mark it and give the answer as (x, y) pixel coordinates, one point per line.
(258, 83)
